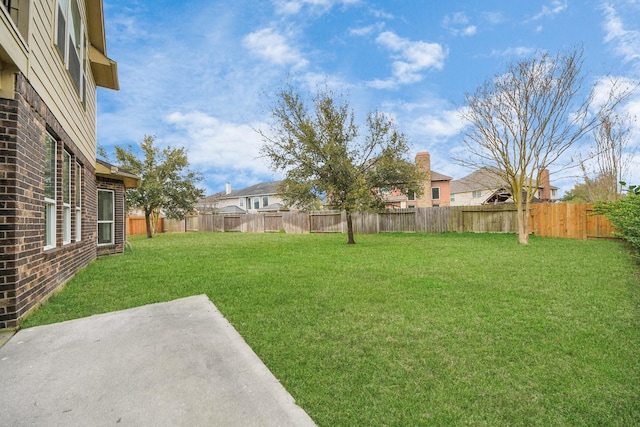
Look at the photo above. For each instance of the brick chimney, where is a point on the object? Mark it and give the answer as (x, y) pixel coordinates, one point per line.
(545, 185)
(423, 161)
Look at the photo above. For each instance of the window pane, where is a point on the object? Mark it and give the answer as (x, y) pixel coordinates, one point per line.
(105, 206)
(256, 203)
(50, 228)
(75, 26)
(78, 225)
(435, 193)
(66, 225)
(50, 168)
(66, 178)
(62, 28)
(105, 233)
(78, 185)
(265, 201)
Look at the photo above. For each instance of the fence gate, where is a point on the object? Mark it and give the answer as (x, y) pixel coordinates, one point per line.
(272, 223)
(232, 223)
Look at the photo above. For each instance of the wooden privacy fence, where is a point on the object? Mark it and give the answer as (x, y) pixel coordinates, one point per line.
(549, 220)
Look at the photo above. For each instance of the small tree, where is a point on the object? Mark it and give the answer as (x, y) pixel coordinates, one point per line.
(525, 119)
(323, 155)
(167, 182)
(624, 214)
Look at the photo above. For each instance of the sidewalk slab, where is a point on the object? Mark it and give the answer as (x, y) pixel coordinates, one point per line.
(179, 363)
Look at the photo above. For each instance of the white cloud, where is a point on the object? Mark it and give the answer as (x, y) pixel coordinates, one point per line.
(218, 147)
(627, 42)
(469, 31)
(292, 7)
(556, 7)
(458, 24)
(519, 51)
(458, 18)
(410, 59)
(274, 47)
(365, 31)
(493, 17)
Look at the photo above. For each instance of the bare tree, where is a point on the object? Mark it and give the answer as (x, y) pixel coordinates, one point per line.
(608, 162)
(526, 118)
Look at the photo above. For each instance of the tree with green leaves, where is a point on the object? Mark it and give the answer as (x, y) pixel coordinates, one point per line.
(525, 119)
(167, 183)
(324, 154)
(624, 214)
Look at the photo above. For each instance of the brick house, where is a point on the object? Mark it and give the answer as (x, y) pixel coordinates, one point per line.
(262, 197)
(59, 207)
(435, 191)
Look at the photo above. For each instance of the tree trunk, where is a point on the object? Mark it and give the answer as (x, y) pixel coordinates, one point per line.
(521, 214)
(147, 221)
(351, 241)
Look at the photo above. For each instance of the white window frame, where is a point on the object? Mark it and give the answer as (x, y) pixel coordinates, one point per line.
(476, 194)
(256, 203)
(111, 221)
(50, 203)
(64, 20)
(411, 195)
(265, 201)
(78, 202)
(432, 191)
(66, 198)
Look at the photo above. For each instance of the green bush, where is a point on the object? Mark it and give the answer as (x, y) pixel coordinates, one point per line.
(624, 214)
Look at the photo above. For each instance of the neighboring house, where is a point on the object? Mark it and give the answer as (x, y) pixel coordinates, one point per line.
(435, 191)
(261, 197)
(208, 204)
(485, 186)
(60, 208)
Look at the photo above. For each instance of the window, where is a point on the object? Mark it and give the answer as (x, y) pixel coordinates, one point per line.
(554, 193)
(50, 192)
(265, 201)
(476, 194)
(66, 199)
(453, 197)
(78, 202)
(72, 43)
(105, 217)
(241, 202)
(435, 193)
(411, 195)
(256, 203)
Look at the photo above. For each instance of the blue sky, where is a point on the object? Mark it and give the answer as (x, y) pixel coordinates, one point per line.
(203, 73)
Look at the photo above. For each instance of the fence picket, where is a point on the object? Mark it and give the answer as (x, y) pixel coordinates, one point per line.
(563, 220)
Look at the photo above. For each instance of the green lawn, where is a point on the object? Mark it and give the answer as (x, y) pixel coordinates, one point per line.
(405, 330)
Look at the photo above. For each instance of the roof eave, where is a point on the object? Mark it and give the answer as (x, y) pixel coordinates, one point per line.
(105, 70)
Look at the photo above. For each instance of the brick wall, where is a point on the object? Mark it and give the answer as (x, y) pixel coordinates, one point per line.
(28, 274)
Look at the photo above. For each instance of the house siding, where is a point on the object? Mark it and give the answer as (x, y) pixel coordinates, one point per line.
(28, 273)
(50, 78)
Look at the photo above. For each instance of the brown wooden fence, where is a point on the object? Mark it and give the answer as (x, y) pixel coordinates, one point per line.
(550, 220)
